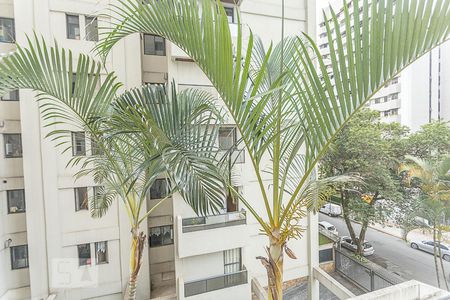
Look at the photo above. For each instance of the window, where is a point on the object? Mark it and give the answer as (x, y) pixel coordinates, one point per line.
(154, 45)
(227, 138)
(78, 143)
(73, 27)
(7, 31)
(159, 189)
(13, 145)
(81, 198)
(95, 148)
(101, 252)
(19, 257)
(91, 29)
(74, 79)
(16, 201)
(232, 260)
(394, 96)
(230, 14)
(11, 96)
(161, 236)
(84, 254)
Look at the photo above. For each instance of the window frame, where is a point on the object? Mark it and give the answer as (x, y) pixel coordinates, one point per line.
(67, 27)
(8, 201)
(12, 257)
(155, 52)
(73, 135)
(233, 135)
(11, 99)
(87, 25)
(4, 146)
(96, 244)
(228, 9)
(234, 263)
(13, 41)
(166, 187)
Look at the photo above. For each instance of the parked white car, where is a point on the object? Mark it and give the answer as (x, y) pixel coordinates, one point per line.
(422, 222)
(428, 246)
(331, 209)
(324, 225)
(347, 242)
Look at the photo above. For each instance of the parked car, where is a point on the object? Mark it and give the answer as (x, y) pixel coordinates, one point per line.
(347, 242)
(331, 209)
(422, 222)
(428, 246)
(328, 227)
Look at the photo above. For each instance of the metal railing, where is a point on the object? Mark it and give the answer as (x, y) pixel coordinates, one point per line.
(217, 221)
(215, 283)
(365, 277)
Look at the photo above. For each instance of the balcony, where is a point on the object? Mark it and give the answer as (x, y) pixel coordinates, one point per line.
(213, 233)
(215, 283)
(217, 221)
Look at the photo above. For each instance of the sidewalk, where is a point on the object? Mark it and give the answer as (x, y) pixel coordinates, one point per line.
(416, 234)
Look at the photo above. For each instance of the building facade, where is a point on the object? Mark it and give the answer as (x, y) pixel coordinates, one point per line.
(415, 97)
(49, 244)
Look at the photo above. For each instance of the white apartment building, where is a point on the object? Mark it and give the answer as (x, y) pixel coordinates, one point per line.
(49, 244)
(415, 97)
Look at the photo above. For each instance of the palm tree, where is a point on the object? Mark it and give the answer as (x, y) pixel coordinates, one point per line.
(287, 105)
(286, 99)
(139, 135)
(434, 183)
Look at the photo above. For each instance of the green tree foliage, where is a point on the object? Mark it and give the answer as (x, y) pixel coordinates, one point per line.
(432, 141)
(373, 150)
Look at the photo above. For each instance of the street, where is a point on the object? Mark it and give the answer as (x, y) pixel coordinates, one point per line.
(394, 254)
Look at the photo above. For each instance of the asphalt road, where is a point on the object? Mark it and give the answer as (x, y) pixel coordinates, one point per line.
(394, 254)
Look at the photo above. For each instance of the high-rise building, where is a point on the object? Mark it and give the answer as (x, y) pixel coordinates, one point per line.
(418, 95)
(49, 244)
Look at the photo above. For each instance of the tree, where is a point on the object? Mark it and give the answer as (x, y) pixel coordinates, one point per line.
(137, 136)
(433, 179)
(284, 99)
(372, 149)
(432, 141)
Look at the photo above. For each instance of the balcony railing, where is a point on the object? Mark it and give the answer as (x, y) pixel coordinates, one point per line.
(217, 221)
(215, 283)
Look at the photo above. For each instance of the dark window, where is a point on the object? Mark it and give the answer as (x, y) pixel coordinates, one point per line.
(230, 14)
(7, 31)
(81, 198)
(73, 27)
(13, 145)
(227, 138)
(91, 29)
(325, 255)
(154, 45)
(159, 189)
(16, 201)
(84, 254)
(19, 257)
(232, 260)
(161, 236)
(101, 252)
(78, 143)
(11, 96)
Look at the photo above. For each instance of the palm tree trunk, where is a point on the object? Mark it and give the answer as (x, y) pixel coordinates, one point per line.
(136, 252)
(435, 257)
(274, 267)
(440, 259)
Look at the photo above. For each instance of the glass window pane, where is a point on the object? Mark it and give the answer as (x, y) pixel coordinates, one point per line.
(78, 143)
(155, 237)
(7, 31)
(159, 189)
(16, 201)
(167, 235)
(73, 27)
(232, 260)
(19, 257)
(11, 96)
(230, 14)
(101, 252)
(13, 145)
(91, 29)
(81, 198)
(154, 45)
(227, 138)
(84, 254)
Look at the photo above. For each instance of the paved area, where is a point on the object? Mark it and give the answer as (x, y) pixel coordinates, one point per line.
(394, 254)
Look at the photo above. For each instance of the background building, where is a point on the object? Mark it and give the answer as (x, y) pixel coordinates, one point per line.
(46, 231)
(417, 96)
